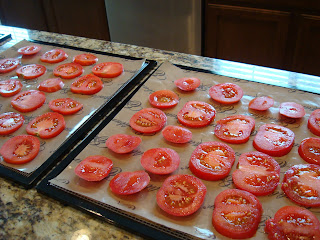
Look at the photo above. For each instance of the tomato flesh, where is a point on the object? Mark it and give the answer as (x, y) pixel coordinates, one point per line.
(176, 134)
(65, 106)
(54, 56)
(187, 84)
(68, 70)
(8, 64)
(28, 101)
(85, 59)
(88, 85)
(123, 143)
(261, 103)
(10, 122)
(226, 93)
(309, 150)
(29, 50)
(108, 69)
(314, 122)
(51, 85)
(31, 71)
(163, 99)
(9, 88)
(292, 110)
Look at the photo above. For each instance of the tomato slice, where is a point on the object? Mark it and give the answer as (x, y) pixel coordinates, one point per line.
(261, 103)
(31, 71)
(226, 93)
(28, 101)
(160, 160)
(68, 70)
(54, 56)
(85, 59)
(235, 129)
(10, 87)
(123, 143)
(29, 50)
(176, 134)
(293, 222)
(314, 122)
(301, 183)
(51, 85)
(181, 195)
(257, 173)
(94, 168)
(8, 64)
(196, 114)
(65, 106)
(126, 183)
(163, 99)
(292, 110)
(108, 69)
(20, 149)
(274, 140)
(236, 213)
(47, 125)
(187, 84)
(148, 120)
(10, 122)
(88, 84)
(212, 161)
(309, 150)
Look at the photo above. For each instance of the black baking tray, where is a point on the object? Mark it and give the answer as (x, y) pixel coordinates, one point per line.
(4, 37)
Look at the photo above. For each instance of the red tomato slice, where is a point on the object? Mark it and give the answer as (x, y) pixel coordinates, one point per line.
(196, 114)
(148, 120)
(20, 149)
(226, 93)
(292, 110)
(51, 85)
(108, 69)
(163, 99)
(31, 71)
(28, 101)
(68, 70)
(160, 160)
(301, 183)
(54, 56)
(309, 150)
(261, 103)
(212, 161)
(8, 64)
(181, 195)
(293, 222)
(29, 50)
(123, 143)
(274, 140)
(257, 173)
(85, 59)
(176, 134)
(88, 85)
(187, 84)
(236, 214)
(65, 106)
(9, 88)
(235, 129)
(94, 168)
(126, 183)
(10, 122)
(47, 125)
(314, 122)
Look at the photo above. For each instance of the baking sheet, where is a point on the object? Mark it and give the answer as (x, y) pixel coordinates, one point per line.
(142, 208)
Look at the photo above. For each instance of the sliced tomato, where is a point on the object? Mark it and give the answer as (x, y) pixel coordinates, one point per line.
(187, 84)
(301, 183)
(163, 99)
(261, 103)
(68, 70)
(293, 222)
(10, 87)
(226, 93)
(10, 122)
(236, 213)
(126, 183)
(85, 59)
(29, 50)
(123, 143)
(20, 149)
(47, 125)
(314, 122)
(65, 106)
(196, 114)
(54, 56)
(8, 64)
(181, 195)
(28, 101)
(257, 173)
(176, 134)
(148, 120)
(31, 71)
(309, 150)
(235, 129)
(212, 161)
(292, 110)
(94, 168)
(88, 84)
(108, 69)
(274, 140)
(160, 160)
(51, 85)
